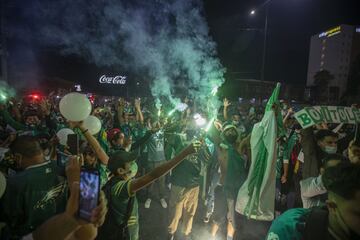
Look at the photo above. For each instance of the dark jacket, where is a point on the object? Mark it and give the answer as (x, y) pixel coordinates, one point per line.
(313, 155)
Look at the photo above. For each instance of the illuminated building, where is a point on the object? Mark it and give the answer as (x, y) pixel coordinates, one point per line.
(334, 50)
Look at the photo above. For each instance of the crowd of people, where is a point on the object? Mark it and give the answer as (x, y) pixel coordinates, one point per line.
(177, 162)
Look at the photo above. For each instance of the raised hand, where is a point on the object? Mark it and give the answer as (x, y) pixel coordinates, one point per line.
(137, 103)
(122, 102)
(45, 107)
(79, 125)
(226, 103)
(193, 147)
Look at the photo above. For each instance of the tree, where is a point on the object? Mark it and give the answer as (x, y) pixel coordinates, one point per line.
(321, 81)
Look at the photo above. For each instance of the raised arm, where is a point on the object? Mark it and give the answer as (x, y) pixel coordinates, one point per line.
(95, 145)
(226, 106)
(288, 114)
(161, 170)
(120, 111)
(139, 115)
(9, 119)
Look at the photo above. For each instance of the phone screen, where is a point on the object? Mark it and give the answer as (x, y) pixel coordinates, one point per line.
(89, 193)
(73, 144)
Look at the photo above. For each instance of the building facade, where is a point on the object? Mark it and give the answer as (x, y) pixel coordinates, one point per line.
(334, 50)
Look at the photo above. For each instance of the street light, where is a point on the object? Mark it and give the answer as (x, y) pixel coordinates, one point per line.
(252, 12)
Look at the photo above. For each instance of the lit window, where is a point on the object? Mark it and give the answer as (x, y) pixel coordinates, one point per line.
(322, 63)
(322, 55)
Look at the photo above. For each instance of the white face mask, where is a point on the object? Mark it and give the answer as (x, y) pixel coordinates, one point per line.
(133, 170)
(330, 150)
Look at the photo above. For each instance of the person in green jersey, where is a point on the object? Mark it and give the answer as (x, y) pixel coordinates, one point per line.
(122, 219)
(34, 194)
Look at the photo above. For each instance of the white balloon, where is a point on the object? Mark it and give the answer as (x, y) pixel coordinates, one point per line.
(62, 135)
(75, 107)
(93, 124)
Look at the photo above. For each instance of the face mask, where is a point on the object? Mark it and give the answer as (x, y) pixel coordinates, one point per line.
(133, 170)
(330, 150)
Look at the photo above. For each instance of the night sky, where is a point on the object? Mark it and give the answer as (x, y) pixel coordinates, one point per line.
(238, 35)
(291, 23)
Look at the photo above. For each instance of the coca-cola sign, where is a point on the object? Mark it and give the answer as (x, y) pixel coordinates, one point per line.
(113, 80)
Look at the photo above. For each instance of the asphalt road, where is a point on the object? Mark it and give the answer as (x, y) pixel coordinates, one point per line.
(154, 221)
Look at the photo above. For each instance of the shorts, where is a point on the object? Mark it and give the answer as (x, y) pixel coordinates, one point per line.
(223, 205)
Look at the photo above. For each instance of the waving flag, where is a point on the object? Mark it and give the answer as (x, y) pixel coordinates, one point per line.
(256, 197)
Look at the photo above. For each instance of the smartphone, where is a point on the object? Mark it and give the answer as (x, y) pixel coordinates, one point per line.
(89, 192)
(62, 158)
(73, 144)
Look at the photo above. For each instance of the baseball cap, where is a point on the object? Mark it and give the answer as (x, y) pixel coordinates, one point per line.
(111, 133)
(119, 158)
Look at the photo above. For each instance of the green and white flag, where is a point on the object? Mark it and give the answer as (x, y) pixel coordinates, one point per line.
(256, 197)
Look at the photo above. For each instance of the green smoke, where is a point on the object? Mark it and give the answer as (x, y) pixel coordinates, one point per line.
(6, 91)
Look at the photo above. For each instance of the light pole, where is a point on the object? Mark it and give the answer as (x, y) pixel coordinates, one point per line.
(3, 45)
(252, 13)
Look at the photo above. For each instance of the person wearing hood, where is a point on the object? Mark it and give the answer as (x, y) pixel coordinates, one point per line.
(317, 147)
